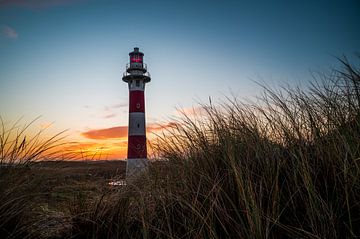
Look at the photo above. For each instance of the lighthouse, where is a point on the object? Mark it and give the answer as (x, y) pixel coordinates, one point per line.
(136, 76)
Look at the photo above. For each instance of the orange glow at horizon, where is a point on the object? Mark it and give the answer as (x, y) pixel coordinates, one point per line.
(94, 144)
(96, 149)
(107, 143)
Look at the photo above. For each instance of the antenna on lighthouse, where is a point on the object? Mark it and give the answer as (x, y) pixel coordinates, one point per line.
(136, 76)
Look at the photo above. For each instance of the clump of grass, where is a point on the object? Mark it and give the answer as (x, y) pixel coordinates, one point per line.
(19, 148)
(287, 166)
(19, 186)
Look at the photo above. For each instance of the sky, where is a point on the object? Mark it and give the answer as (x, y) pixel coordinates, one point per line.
(63, 59)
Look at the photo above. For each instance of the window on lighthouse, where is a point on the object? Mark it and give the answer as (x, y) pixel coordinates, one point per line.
(137, 83)
(136, 58)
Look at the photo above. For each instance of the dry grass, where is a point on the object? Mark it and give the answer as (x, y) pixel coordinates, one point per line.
(286, 167)
(19, 186)
(17, 148)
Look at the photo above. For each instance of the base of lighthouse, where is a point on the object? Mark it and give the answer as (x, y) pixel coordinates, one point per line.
(136, 166)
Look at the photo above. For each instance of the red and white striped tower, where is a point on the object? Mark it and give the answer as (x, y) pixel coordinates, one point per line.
(136, 76)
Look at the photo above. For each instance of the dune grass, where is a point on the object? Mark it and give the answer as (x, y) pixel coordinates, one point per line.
(287, 166)
(284, 167)
(19, 186)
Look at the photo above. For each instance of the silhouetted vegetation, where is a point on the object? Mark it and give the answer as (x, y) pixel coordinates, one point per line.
(284, 167)
(19, 186)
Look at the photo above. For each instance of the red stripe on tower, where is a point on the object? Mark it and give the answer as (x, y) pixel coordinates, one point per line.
(136, 76)
(137, 102)
(137, 146)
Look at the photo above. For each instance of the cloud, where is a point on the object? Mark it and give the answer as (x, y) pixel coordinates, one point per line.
(119, 132)
(192, 111)
(108, 133)
(159, 127)
(111, 143)
(36, 4)
(120, 105)
(72, 146)
(8, 32)
(111, 115)
(108, 112)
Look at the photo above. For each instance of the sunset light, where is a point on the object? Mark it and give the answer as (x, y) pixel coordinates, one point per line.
(179, 119)
(64, 64)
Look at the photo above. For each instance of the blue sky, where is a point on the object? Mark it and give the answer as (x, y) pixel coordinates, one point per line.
(64, 59)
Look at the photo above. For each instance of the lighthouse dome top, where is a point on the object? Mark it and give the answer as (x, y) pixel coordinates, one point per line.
(136, 52)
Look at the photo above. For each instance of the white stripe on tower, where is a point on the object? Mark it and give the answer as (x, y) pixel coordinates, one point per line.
(137, 123)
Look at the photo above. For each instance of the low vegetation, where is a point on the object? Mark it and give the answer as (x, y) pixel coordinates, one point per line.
(286, 166)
